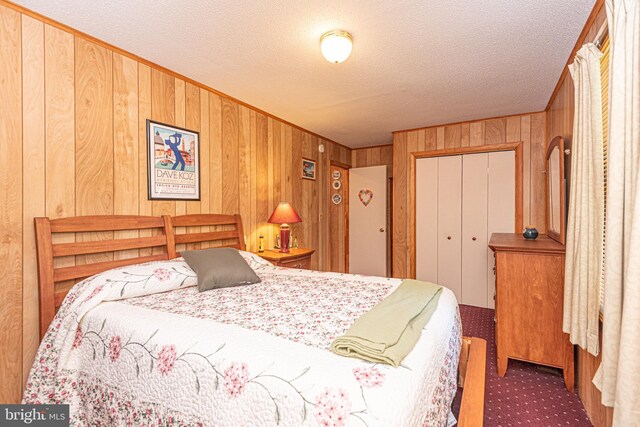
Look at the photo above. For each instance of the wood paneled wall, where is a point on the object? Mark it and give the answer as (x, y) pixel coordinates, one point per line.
(373, 156)
(586, 367)
(339, 223)
(560, 122)
(74, 143)
(11, 205)
(561, 105)
(528, 128)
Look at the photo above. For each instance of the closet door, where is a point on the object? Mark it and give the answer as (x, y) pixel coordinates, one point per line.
(427, 219)
(501, 206)
(449, 224)
(474, 229)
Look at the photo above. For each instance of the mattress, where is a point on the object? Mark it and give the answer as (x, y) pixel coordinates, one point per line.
(139, 345)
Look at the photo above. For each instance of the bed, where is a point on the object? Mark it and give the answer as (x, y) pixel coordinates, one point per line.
(134, 343)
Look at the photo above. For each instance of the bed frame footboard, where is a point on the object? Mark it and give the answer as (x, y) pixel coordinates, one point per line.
(473, 360)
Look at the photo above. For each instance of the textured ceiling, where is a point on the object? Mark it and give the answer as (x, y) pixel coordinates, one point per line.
(414, 63)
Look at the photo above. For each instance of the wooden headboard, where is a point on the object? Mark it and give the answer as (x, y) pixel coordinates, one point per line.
(96, 236)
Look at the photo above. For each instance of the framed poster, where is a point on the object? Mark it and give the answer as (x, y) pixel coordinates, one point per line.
(308, 169)
(173, 161)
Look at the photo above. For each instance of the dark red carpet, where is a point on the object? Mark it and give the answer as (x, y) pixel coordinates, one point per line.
(527, 395)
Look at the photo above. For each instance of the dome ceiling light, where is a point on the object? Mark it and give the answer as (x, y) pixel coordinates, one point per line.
(336, 45)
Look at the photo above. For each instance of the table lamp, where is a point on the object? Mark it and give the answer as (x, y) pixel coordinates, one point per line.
(284, 215)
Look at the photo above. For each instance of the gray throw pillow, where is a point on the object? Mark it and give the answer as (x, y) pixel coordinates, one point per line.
(220, 268)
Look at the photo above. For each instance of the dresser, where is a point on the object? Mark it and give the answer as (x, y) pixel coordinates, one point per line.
(529, 298)
(295, 258)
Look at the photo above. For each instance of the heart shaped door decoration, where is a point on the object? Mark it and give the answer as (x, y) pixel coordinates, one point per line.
(365, 197)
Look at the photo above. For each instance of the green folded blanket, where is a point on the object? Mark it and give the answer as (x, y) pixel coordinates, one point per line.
(390, 330)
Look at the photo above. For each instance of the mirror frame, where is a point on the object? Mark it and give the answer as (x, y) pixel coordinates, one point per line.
(558, 141)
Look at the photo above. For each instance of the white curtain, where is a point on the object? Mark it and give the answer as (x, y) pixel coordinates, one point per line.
(583, 266)
(619, 374)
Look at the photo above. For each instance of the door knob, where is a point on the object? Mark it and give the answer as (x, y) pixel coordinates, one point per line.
(382, 230)
(474, 239)
(448, 237)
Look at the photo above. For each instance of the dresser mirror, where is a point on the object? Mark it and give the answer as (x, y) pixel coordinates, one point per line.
(555, 217)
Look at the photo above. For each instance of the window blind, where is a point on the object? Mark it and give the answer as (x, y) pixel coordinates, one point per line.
(604, 76)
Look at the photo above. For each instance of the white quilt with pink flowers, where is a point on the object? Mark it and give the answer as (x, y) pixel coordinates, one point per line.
(139, 345)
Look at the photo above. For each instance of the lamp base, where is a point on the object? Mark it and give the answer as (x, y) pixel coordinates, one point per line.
(284, 239)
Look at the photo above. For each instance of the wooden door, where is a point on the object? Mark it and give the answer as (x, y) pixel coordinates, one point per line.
(474, 229)
(368, 221)
(501, 201)
(427, 219)
(449, 223)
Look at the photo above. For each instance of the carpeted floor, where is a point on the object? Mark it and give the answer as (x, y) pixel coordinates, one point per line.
(527, 395)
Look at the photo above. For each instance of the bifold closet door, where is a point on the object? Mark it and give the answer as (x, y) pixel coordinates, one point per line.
(427, 219)
(460, 201)
(449, 224)
(474, 229)
(501, 199)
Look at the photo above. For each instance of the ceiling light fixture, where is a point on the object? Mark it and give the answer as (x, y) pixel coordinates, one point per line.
(336, 45)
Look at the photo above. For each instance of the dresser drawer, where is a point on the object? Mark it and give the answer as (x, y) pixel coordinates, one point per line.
(303, 263)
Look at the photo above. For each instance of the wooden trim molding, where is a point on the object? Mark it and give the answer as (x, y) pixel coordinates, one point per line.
(512, 146)
(467, 150)
(367, 147)
(28, 12)
(460, 123)
(339, 164)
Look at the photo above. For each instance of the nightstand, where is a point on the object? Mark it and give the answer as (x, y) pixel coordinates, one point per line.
(295, 258)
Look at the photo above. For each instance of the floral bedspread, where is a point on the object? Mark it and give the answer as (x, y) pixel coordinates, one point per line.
(139, 345)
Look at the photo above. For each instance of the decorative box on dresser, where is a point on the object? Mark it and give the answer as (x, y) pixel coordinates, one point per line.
(529, 297)
(295, 258)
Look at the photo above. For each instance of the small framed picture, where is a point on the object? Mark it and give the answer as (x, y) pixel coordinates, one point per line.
(173, 155)
(336, 199)
(336, 174)
(308, 169)
(336, 185)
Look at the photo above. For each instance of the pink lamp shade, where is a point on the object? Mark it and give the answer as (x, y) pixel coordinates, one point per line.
(284, 214)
